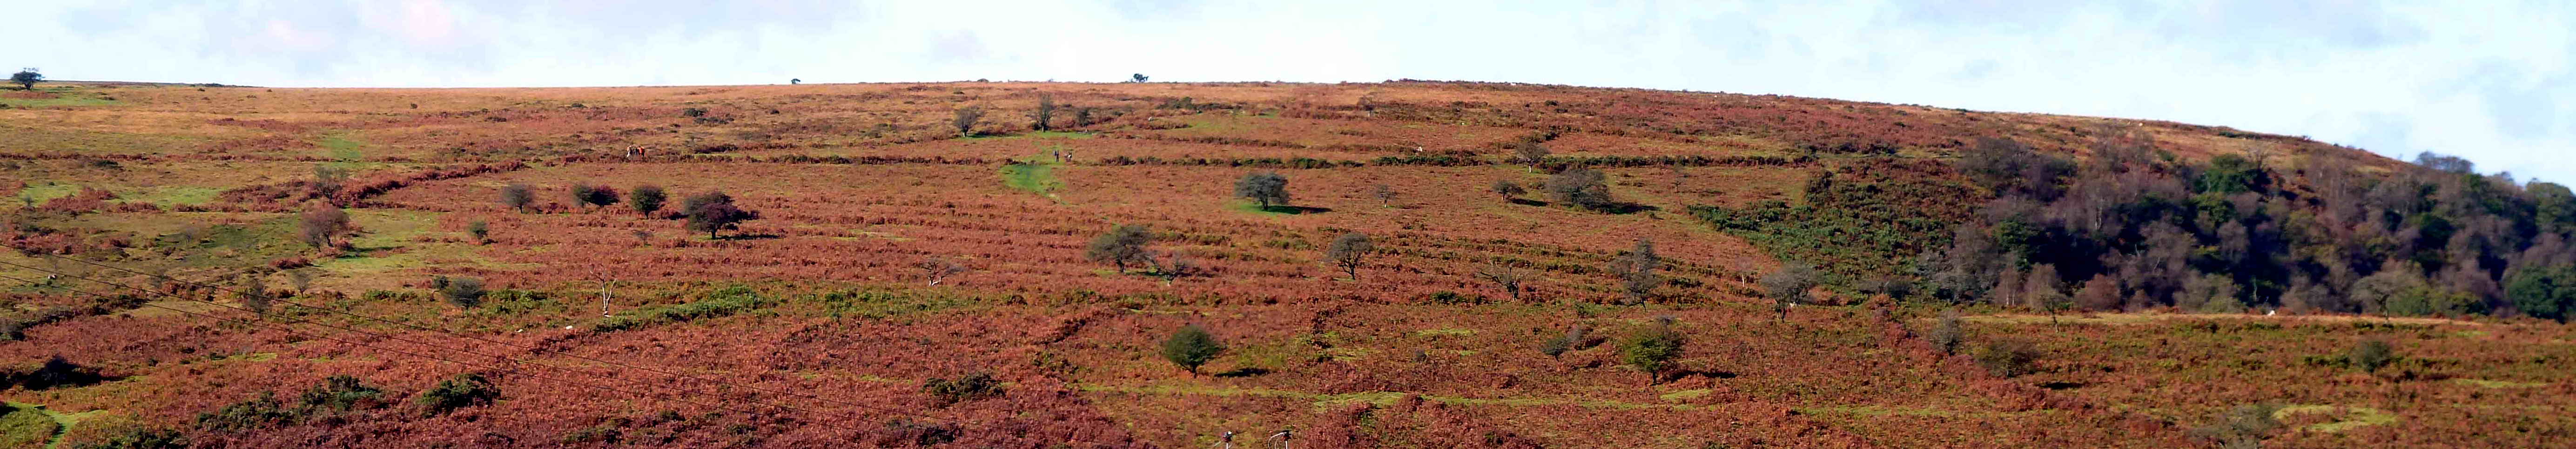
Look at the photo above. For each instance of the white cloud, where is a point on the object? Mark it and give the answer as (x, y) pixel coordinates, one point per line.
(2479, 79)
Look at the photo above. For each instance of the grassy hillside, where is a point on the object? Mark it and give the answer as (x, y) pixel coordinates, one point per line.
(922, 273)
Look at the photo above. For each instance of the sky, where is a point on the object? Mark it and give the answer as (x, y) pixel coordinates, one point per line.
(2492, 81)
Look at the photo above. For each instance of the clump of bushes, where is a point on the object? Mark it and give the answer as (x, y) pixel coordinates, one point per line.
(464, 390)
(723, 303)
(944, 392)
(2371, 355)
(2009, 358)
(1653, 349)
(463, 292)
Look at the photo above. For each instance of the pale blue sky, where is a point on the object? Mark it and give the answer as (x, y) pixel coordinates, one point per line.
(2492, 81)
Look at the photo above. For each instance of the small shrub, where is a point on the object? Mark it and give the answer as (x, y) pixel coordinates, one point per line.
(463, 292)
(1445, 297)
(340, 392)
(1190, 347)
(965, 119)
(253, 414)
(464, 390)
(1507, 189)
(2009, 358)
(1555, 347)
(2241, 427)
(646, 199)
(2371, 355)
(481, 231)
(254, 293)
(944, 392)
(714, 211)
(594, 196)
(1653, 349)
(517, 196)
(322, 224)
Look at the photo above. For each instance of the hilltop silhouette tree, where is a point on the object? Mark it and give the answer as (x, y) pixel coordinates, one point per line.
(26, 78)
(714, 211)
(1349, 251)
(1137, 78)
(1267, 187)
(1191, 347)
(1122, 246)
(795, 81)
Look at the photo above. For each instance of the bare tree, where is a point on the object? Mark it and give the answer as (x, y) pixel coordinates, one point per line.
(1045, 112)
(965, 120)
(1636, 270)
(1789, 286)
(323, 224)
(1350, 251)
(517, 196)
(1505, 277)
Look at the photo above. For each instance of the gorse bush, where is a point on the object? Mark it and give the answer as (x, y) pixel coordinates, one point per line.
(2009, 358)
(945, 392)
(721, 303)
(1653, 349)
(2371, 355)
(464, 390)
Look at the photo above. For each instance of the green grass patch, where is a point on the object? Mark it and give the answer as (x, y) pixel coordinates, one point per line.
(25, 425)
(1444, 332)
(38, 194)
(1684, 395)
(339, 146)
(887, 304)
(2498, 383)
(178, 195)
(2353, 417)
(1037, 135)
(722, 303)
(62, 97)
(1030, 177)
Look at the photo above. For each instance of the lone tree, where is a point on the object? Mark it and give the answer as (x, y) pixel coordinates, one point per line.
(517, 196)
(1788, 286)
(26, 78)
(714, 211)
(1653, 349)
(323, 224)
(1636, 270)
(1138, 78)
(1349, 251)
(965, 120)
(646, 199)
(1579, 187)
(1530, 152)
(1045, 112)
(1505, 277)
(1267, 187)
(1190, 347)
(593, 196)
(1508, 190)
(1122, 246)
